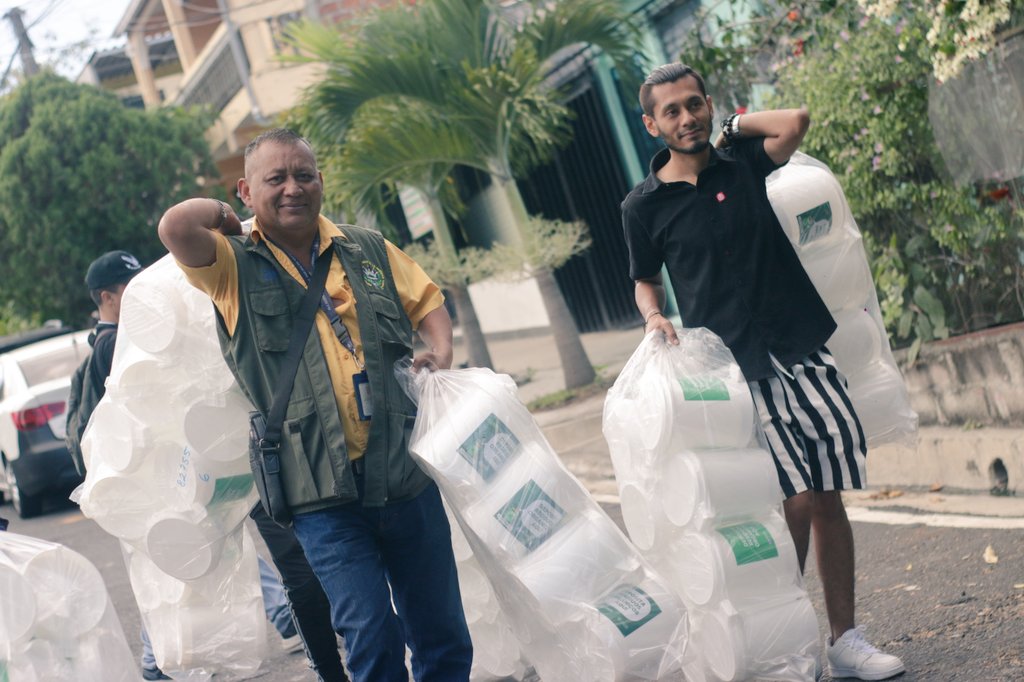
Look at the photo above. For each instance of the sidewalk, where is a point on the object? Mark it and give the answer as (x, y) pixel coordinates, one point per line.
(947, 458)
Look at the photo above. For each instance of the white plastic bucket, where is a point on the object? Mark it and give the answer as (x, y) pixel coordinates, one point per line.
(638, 515)
(705, 411)
(151, 318)
(740, 643)
(642, 627)
(840, 274)
(809, 204)
(217, 428)
(582, 562)
(857, 341)
(475, 440)
(18, 612)
(714, 485)
(71, 596)
(183, 549)
(530, 501)
(741, 562)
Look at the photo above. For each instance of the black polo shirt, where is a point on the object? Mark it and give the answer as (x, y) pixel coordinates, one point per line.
(732, 267)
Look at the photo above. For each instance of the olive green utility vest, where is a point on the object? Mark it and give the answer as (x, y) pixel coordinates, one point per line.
(315, 468)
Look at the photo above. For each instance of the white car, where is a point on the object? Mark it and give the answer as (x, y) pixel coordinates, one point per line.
(35, 381)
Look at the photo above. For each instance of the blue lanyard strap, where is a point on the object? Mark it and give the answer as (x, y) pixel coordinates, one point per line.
(340, 330)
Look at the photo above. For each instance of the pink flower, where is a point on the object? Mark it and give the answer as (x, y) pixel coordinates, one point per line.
(877, 110)
(878, 147)
(876, 163)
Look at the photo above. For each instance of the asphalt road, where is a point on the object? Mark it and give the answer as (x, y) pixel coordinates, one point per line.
(948, 600)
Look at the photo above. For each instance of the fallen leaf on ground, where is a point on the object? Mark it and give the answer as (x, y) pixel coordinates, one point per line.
(936, 487)
(911, 588)
(1019, 586)
(990, 555)
(885, 494)
(909, 567)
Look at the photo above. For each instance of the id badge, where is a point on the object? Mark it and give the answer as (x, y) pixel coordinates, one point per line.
(364, 399)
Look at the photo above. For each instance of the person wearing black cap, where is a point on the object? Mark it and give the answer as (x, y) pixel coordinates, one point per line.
(106, 278)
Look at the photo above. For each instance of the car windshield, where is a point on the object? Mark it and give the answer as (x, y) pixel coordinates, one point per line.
(53, 365)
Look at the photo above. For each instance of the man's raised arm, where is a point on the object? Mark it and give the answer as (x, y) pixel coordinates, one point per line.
(782, 129)
(186, 229)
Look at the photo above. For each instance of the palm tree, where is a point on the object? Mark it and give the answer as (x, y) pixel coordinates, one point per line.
(381, 153)
(479, 73)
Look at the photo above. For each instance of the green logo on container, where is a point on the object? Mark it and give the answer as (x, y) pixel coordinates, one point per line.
(750, 542)
(531, 516)
(231, 488)
(814, 223)
(704, 388)
(489, 447)
(628, 607)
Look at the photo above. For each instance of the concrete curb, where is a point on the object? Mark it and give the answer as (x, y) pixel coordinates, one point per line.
(954, 459)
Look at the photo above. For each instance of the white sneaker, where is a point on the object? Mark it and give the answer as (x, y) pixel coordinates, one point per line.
(853, 656)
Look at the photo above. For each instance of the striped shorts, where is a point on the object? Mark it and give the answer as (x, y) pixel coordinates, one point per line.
(812, 430)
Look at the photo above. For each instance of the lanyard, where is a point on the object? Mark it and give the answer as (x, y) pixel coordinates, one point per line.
(340, 330)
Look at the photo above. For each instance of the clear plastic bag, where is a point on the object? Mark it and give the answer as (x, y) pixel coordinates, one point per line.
(701, 499)
(582, 602)
(168, 474)
(56, 619)
(814, 213)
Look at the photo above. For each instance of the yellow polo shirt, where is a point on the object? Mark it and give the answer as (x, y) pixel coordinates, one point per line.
(419, 296)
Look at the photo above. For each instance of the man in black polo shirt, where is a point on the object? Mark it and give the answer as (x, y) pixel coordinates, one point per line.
(704, 214)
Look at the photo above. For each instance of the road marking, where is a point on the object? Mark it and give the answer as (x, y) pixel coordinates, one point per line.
(894, 518)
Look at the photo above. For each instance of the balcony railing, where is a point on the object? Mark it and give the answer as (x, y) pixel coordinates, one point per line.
(216, 81)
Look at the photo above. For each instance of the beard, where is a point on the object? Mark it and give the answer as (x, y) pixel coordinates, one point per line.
(694, 147)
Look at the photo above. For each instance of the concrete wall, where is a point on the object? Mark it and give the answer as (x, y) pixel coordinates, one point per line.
(970, 381)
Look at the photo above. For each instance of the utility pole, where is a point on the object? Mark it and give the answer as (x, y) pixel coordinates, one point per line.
(28, 60)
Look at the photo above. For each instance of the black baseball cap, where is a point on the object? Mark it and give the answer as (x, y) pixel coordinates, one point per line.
(114, 267)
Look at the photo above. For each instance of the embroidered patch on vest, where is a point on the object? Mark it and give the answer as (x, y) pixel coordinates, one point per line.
(373, 275)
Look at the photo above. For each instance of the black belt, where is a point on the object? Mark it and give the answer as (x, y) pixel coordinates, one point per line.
(358, 466)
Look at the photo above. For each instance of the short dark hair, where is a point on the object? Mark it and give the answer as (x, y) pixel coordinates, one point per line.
(666, 73)
(97, 294)
(279, 135)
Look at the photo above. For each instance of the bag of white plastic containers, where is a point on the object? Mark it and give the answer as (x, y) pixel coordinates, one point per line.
(166, 452)
(580, 599)
(814, 214)
(701, 499)
(56, 619)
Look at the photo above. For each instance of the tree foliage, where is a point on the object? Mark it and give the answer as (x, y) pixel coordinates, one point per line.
(946, 259)
(80, 175)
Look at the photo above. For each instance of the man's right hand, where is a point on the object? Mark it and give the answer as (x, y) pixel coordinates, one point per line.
(660, 323)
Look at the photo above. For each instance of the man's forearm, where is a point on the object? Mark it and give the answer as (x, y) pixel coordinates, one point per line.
(186, 229)
(650, 298)
(435, 329)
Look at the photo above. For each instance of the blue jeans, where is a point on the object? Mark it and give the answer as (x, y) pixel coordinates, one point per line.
(274, 602)
(364, 556)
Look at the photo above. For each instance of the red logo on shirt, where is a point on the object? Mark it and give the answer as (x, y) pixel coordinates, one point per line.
(720, 196)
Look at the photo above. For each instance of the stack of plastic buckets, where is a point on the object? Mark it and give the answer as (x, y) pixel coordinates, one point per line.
(168, 474)
(56, 619)
(582, 602)
(814, 214)
(702, 501)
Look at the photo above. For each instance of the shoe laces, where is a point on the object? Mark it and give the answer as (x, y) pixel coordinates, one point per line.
(858, 642)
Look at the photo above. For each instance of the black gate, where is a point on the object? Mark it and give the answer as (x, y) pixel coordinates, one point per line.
(585, 181)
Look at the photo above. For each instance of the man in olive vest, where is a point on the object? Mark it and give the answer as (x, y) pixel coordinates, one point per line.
(369, 520)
